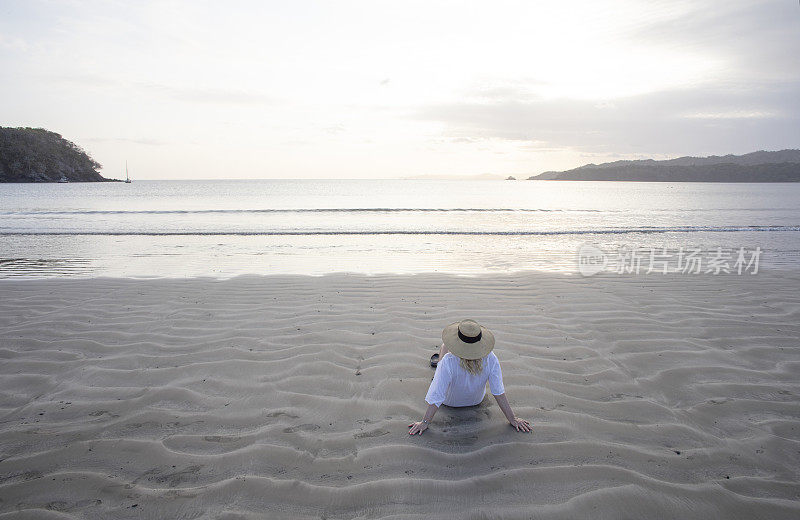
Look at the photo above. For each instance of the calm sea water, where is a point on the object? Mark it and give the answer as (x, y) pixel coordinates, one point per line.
(225, 228)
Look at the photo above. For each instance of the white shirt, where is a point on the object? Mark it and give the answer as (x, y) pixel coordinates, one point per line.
(454, 386)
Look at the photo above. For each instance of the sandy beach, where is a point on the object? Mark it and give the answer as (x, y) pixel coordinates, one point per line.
(289, 397)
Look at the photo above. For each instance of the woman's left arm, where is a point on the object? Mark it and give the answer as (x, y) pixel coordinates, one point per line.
(421, 426)
(520, 424)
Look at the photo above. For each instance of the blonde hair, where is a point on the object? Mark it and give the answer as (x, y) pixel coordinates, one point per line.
(473, 366)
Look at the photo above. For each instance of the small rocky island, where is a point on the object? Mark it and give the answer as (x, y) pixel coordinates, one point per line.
(38, 155)
(761, 166)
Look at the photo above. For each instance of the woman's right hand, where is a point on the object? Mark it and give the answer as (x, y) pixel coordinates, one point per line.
(521, 425)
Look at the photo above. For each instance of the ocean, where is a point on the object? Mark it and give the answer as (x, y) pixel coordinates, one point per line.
(224, 228)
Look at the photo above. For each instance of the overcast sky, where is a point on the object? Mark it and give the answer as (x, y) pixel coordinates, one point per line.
(371, 89)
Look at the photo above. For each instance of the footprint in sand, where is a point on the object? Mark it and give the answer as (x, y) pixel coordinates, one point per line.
(301, 427)
(281, 414)
(220, 438)
(373, 433)
(172, 479)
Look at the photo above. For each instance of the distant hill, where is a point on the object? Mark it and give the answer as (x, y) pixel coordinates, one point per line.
(38, 155)
(781, 166)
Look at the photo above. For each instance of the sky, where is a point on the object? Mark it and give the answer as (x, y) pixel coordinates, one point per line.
(375, 89)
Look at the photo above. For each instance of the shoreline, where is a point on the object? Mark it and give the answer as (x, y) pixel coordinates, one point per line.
(791, 272)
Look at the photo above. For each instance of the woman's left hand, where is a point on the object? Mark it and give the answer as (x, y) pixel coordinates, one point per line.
(521, 425)
(417, 427)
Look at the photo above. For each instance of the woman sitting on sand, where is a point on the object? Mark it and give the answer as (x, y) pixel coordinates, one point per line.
(466, 362)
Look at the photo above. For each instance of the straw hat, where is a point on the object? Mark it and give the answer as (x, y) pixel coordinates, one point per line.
(468, 340)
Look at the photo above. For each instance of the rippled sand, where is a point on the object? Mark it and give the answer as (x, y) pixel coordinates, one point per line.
(289, 397)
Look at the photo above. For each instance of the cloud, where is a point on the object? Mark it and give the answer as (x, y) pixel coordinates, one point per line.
(757, 39)
(205, 95)
(79, 80)
(746, 101)
(14, 43)
(736, 114)
(540, 84)
(676, 121)
(202, 95)
(334, 129)
(131, 140)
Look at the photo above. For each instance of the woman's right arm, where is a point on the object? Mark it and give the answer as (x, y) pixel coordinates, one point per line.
(421, 426)
(435, 396)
